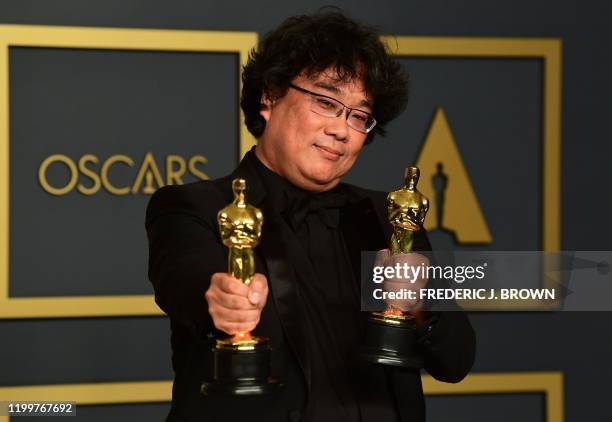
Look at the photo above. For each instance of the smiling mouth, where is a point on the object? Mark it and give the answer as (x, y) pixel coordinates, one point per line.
(329, 153)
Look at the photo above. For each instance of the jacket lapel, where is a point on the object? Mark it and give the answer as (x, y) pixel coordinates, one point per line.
(278, 248)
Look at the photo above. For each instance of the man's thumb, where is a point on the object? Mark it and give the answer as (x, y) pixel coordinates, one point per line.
(256, 289)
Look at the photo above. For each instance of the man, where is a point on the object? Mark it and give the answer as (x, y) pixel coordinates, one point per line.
(317, 90)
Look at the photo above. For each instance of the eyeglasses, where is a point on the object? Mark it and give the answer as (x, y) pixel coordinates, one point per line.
(326, 106)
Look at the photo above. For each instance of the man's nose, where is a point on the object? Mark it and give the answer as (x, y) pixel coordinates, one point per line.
(338, 127)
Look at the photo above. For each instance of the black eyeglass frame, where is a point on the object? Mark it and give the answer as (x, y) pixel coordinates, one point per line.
(349, 109)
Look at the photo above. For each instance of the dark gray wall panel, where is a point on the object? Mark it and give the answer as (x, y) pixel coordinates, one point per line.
(497, 407)
(133, 412)
(74, 351)
(77, 102)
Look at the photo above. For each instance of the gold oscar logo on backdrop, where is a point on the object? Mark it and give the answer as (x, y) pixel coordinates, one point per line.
(146, 180)
(454, 202)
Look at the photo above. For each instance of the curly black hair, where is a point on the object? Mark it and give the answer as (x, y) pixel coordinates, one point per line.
(310, 44)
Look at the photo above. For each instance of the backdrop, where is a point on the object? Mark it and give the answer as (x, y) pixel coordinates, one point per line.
(102, 102)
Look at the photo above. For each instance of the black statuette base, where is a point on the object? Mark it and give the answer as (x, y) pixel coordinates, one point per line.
(241, 372)
(388, 344)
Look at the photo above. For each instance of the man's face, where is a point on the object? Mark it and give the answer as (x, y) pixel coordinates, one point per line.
(312, 151)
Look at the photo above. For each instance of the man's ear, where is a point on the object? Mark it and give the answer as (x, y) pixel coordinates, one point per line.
(266, 106)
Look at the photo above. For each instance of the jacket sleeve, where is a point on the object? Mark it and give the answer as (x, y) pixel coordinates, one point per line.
(184, 252)
(448, 341)
(449, 346)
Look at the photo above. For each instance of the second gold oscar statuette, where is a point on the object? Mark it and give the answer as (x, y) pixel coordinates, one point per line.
(389, 336)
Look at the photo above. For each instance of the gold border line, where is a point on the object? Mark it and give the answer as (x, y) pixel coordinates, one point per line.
(240, 43)
(548, 383)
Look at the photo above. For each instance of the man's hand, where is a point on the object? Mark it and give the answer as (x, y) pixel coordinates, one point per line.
(417, 261)
(235, 307)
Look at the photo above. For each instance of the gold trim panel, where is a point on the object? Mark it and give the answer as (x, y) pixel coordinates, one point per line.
(240, 43)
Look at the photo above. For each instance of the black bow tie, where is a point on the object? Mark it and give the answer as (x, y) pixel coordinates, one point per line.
(325, 204)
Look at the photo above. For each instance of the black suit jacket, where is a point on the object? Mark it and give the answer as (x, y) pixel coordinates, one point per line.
(185, 250)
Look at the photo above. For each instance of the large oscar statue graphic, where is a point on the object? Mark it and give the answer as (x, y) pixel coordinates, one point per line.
(242, 361)
(390, 336)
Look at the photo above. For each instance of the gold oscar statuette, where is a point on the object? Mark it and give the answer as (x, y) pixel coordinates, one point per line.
(242, 361)
(390, 336)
